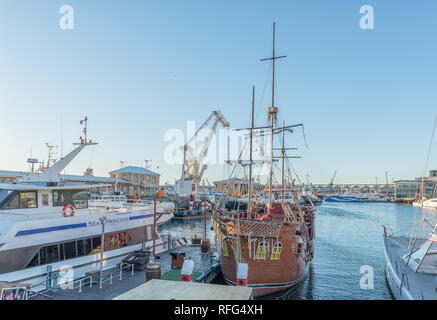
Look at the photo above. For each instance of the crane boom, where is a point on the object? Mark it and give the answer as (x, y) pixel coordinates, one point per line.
(333, 177)
(193, 167)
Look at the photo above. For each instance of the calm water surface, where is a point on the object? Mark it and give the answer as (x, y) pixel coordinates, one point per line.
(348, 236)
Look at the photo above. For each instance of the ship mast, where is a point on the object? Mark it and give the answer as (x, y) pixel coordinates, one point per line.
(273, 114)
(283, 160)
(249, 205)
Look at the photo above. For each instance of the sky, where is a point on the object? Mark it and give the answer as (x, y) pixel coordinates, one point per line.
(367, 98)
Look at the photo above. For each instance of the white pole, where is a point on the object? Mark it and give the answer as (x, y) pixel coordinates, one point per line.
(102, 246)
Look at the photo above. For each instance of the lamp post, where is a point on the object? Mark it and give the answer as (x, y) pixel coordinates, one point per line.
(153, 270)
(204, 244)
(102, 246)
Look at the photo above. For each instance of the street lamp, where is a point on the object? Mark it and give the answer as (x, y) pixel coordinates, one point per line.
(102, 245)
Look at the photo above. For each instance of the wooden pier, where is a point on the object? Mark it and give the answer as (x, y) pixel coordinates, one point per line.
(171, 290)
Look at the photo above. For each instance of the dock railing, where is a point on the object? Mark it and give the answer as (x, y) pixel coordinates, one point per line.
(51, 283)
(116, 274)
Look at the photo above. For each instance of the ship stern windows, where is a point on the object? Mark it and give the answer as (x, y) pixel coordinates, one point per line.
(276, 251)
(225, 251)
(261, 251)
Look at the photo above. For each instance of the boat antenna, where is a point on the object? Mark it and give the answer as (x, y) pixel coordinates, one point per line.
(272, 112)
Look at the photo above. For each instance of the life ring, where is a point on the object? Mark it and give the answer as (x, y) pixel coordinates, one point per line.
(64, 211)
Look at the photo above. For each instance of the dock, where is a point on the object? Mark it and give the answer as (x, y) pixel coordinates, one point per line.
(119, 281)
(170, 290)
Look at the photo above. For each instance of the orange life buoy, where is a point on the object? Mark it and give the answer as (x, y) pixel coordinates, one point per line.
(64, 211)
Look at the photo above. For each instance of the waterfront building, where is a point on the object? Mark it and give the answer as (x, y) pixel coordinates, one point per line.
(411, 188)
(142, 182)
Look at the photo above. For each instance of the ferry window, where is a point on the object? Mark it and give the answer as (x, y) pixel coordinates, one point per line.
(80, 199)
(33, 262)
(116, 240)
(96, 244)
(49, 254)
(83, 247)
(261, 251)
(276, 252)
(14, 203)
(20, 200)
(61, 198)
(28, 199)
(45, 200)
(77, 198)
(4, 194)
(69, 250)
(225, 249)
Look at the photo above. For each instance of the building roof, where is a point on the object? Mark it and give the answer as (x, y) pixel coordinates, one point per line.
(239, 181)
(132, 169)
(70, 177)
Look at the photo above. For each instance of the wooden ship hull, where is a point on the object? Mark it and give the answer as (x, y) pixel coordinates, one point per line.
(277, 253)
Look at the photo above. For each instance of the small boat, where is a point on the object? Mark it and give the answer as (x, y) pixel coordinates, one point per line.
(412, 261)
(196, 240)
(430, 203)
(411, 269)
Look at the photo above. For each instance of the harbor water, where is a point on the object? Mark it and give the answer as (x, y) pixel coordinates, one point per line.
(349, 239)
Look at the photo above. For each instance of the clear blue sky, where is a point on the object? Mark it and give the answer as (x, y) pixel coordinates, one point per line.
(138, 68)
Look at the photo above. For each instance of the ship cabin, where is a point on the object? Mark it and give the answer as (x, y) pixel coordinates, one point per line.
(43, 200)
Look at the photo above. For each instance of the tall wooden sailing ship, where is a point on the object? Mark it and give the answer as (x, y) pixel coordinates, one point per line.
(271, 242)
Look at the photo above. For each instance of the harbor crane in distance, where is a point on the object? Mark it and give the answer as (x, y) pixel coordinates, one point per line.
(331, 184)
(193, 167)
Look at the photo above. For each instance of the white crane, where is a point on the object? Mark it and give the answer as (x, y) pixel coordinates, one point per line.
(193, 167)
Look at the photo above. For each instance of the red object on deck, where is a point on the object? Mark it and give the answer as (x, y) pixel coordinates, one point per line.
(186, 277)
(242, 282)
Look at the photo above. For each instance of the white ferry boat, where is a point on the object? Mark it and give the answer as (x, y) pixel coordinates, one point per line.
(48, 224)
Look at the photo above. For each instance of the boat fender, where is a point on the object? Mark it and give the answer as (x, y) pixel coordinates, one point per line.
(64, 210)
(242, 271)
(187, 270)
